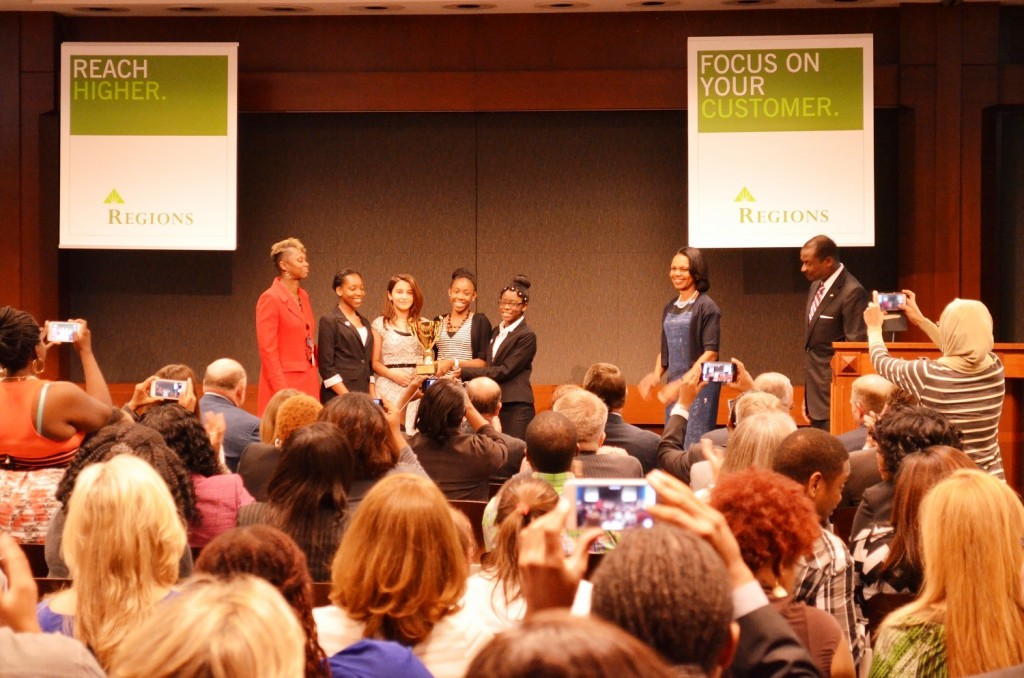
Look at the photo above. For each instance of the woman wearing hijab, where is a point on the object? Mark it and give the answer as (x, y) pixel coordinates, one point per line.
(966, 384)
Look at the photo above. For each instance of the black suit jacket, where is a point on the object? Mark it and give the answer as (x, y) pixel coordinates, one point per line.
(256, 468)
(875, 507)
(341, 352)
(241, 428)
(854, 439)
(863, 474)
(636, 441)
(769, 648)
(839, 317)
(512, 366)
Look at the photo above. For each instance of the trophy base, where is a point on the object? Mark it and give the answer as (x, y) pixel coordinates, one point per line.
(424, 370)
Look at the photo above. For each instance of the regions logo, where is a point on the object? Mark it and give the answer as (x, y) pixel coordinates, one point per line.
(119, 217)
(744, 196)
(749, 215)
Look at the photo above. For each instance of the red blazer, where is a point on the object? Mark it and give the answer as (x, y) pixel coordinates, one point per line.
(285, 337)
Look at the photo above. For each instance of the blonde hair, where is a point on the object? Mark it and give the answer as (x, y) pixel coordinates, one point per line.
(752, 402)
(269, 421)
(971, 531)
(294, 413)
(755, 440)
(400, 567)
(586, 411)
(278, 249)
(122, 542)
(216, 628)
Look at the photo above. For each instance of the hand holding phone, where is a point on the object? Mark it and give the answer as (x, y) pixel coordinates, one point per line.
(610, 503)
(58, 332)
(891, 301)
(167, 389)
(718, 372)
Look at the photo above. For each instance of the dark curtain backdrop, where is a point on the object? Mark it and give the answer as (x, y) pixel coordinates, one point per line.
(590, 205)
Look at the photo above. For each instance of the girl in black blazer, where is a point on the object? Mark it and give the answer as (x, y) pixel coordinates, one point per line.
(510, 359)
(345, 341)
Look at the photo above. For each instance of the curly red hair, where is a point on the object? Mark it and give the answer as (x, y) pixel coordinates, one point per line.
(772, 517)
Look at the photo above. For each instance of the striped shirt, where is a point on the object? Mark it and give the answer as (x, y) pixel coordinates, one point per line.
(973, 402)
(458, 345)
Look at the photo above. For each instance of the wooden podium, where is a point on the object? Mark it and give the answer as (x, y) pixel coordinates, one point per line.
(852, 360)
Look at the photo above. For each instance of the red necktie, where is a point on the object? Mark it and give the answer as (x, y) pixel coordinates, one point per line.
(817, 300)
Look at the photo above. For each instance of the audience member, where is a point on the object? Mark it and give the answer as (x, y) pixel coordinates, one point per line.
(767, 646)
(775, 524)
(215, 627)
(42, 422)
(110, 441)
(754, 442)
(485, 394)
(900, 431)
(888, 555)
(820, 464)
(224, 386)
(122, 542)
(460, 463)
(606, 382)
(493, 595)
(557, 645)
(307, 495)
(551, 447)
(26, 651)
(588, 414)
(969, 617)
(219, 495)
(375, 438)
(966, 384)
(142, 398)
(258, 462)
(383, 589)
(270, 554)
(667, 587)
(772, 383)
(868, 395)
(679, 461)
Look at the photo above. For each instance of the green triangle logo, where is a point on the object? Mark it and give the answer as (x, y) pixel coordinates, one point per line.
(744, 196)
(114, 197)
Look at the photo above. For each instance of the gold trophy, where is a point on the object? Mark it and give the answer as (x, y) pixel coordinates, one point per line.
(427, 333)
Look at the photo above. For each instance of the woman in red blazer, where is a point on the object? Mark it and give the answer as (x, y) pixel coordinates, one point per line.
(284, 327)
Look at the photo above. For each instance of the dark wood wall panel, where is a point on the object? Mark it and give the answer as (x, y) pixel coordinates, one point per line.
(10, 158)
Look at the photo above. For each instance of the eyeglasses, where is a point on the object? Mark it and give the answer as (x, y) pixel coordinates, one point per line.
(509, 304)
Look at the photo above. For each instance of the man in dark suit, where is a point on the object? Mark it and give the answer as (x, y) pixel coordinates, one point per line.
(586, 411)
(485, 394)
(834, 312)
(224, 393)
(606, 382)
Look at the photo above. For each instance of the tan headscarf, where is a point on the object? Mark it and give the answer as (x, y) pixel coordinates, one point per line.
(965, 336)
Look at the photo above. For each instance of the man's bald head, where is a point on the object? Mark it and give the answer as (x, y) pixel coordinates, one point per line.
(485, 394)
(226, 377)
(869, 394)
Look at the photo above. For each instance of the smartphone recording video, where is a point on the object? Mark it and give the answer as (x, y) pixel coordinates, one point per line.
(724, 373)
(427, 383)
(62, 332)
(891, 301)
(167, 389)
(610, 504)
